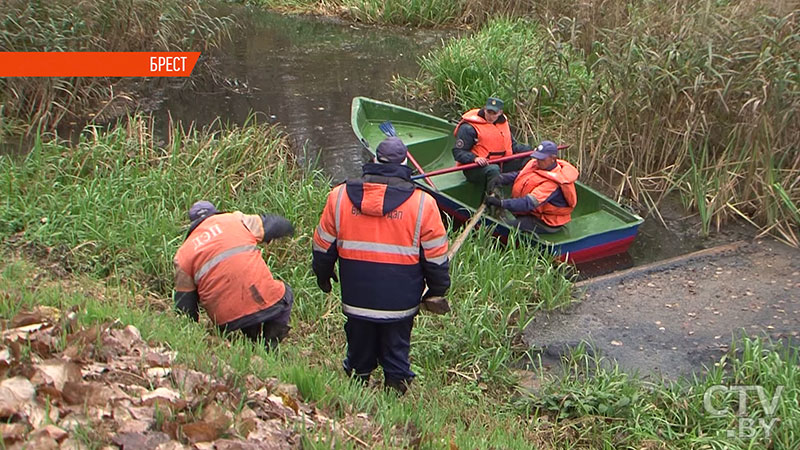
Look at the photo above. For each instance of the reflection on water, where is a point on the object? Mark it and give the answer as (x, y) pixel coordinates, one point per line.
(303, 73)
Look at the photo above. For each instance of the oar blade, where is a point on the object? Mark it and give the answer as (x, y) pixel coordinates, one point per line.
(388, 129)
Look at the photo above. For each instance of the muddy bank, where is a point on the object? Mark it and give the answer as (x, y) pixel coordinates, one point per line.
(673, 317)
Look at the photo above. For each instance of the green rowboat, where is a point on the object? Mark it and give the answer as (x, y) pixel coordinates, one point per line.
(599, 227)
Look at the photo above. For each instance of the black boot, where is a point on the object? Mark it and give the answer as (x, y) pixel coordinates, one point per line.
(274, 334)
(399, 386)
(362, 379)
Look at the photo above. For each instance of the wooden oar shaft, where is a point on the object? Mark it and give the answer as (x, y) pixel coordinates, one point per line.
(475, 165)
(467, 228)
(439, 305)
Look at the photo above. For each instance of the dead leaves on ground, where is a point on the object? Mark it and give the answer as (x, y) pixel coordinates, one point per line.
(108, 386)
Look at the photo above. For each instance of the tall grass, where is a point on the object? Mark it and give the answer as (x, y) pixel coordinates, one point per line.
(103, 25)
(716, 93)
(697, 96)
(116, 201)
(422, 13)
(597, 405)
(515, 60)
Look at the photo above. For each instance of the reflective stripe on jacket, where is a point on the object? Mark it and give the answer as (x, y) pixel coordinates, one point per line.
(494, 139)
(389, 239)
(541, 185)
(221, 260)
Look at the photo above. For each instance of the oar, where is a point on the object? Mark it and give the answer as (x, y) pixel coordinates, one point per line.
(439, 305)
(388, 129)
(474, 165)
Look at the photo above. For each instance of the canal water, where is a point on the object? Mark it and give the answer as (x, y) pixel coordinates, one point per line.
(301, 72)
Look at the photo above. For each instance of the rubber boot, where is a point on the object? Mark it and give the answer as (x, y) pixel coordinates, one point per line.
(398, 386)
(362, 379)
(274, 334)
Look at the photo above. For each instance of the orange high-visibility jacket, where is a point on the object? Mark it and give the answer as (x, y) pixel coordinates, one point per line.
(389, 240)
(541, 184)
(494, 139)
(221, 260)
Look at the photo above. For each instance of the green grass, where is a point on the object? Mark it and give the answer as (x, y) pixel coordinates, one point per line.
(514, 59)
(606, 408)
(592, 405)
(417, 13)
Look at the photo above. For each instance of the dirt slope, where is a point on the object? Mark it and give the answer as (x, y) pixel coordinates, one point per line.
(671, 318)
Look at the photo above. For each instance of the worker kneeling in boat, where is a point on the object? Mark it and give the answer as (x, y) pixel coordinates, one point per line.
(543, 191)
(220, 268)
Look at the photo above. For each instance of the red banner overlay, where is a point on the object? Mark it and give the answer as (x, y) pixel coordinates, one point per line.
(97, 64)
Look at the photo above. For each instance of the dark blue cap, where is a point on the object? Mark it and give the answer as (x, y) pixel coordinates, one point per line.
(545, 150)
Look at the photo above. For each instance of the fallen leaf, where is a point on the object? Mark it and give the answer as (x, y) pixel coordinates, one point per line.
(12, 432)
(140, 441)
(162, 393)
(200, 432)
(38, 416)
(171, 445)
(91, 393)
(158, 372)
(15, 393)
(52, 432)
(42, 443)
(133, 426)
(272, 430)
(213, 414)
(73, 421)
(39, 314)
(56, 372)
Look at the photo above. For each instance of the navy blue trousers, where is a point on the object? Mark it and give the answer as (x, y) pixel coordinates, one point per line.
(384, 343)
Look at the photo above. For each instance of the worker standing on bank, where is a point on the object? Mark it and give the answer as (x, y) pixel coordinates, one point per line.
(390, 242)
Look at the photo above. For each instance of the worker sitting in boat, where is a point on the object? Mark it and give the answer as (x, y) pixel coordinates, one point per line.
(543, 192)
(483, 135)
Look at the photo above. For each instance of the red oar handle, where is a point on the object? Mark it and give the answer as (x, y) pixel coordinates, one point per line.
(473, 165)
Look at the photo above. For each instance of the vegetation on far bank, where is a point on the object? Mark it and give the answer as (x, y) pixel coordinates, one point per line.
(694, 96)
(105, 217)
(102, 25)
(706, 105)
(422, 13)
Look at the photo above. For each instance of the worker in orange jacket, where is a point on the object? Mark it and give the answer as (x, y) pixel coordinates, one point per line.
(483, 135)
(219, 267)
(543, 192)
(390, 242)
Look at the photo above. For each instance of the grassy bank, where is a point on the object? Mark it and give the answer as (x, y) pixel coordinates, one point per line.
(592, 405)
(113, 207)
(694, 96)
(103, 25)
(423, 13)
